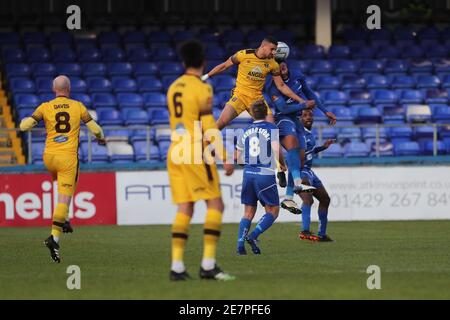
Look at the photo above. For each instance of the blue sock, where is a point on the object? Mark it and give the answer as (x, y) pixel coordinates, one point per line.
(293, 162)
(323, 219)
(290, 187)
(306, 217)
(265, 223)
(244, 227)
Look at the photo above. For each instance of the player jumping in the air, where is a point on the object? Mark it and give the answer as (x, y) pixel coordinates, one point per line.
(253, 67)
(62, 117)
(291, 129)
(310, 178)
(259, 146)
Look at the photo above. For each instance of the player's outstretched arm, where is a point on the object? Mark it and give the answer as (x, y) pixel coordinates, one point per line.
(97, 131)
(325, 146)
(221, 67)
(27, 124)
(310, 94)
(284, 89)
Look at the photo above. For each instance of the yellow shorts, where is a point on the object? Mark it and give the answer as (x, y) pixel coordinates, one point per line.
(65, 169)
(193, 182)
(241, 102)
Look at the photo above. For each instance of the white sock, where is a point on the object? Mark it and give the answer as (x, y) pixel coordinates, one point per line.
(288, 197)
(56, 239)
(208, 264)
(178, 266)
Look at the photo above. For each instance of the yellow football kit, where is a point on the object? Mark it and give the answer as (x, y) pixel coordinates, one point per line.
(252, 73)
(62, 117)
(190, 105)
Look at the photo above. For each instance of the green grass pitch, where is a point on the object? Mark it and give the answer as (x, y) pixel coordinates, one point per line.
(133, 263)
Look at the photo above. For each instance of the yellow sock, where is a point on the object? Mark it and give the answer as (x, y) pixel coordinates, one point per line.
(180, 232)
(59, 217)
(213, 224)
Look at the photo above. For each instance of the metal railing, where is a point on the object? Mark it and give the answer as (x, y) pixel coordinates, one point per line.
(85, 135)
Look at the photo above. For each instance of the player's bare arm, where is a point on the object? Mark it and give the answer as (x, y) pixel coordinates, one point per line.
(284, 89)
(221, 67)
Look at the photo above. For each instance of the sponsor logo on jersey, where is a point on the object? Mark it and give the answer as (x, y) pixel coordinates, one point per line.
(256, 72)
(60, 139)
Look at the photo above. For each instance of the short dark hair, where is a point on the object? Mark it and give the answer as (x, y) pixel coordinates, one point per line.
(259, 110)
(192, 54)
(271, 39)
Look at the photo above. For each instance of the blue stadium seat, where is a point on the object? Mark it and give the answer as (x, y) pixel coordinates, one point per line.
(406, 148)
(371, 66)
(19, 70)
(428, 148)
(95, 69)
(339, 52)
(380, 36)
(345, 66)
(170, 68)
(164, 54)
(215, 53)
(159, 37)
(343, 114)
(35, 37)
(120, 69)
(400, 133)
(26, 100)
(423, 133)
(420, 66)
(385, 149)
(328, 82)
(334, 151)
(167, 81)
(37, 151)
(433, 96)
(334, 97)
(428, 32)
(103, 100)
(408, 96)
(82, 97)
(140, 152)
(110, 118)
(77, 85)
(378, 81)
(370, 134)
(381, 96)
(358, 96)
(424, 82)
(363, 52)
(43, 69)
(399, 82)
(22, 85)
(183, 35)
(99, 153)
(9, 38)
(352, 81)
(89, 55)
(113, 55)
(139, 55)
(356, 149)
(145, 69)
(44, 84)
(69, 69)
(149, 84)
(388, 52)
(396, 67)
(329, 133)
(442, 65)
(60, 37)
(47, 96)
(13, 55)
(98, 84)
(155, 100)
(438, 51)
(446, 81)
(441, 113)
(108, 37)
(392, 113)
(135, 117)
(158, 116)
(299, 65)
(368, 115)
(224, 83)
(128, 100)
(321, 67)
(134, 36)
(313, 51)
(123, 84)
(412, 52)
(352, 134)
(38, 54)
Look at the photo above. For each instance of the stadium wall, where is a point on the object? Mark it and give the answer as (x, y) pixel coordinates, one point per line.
(143, 197)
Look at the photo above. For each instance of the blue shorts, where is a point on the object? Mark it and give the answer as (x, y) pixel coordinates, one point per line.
(259, 186)
(311, 177)
(290, 127)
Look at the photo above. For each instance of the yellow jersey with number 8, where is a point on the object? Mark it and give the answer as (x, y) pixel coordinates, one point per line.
(62, 117)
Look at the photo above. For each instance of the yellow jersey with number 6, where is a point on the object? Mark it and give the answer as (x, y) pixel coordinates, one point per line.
(62, 117)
